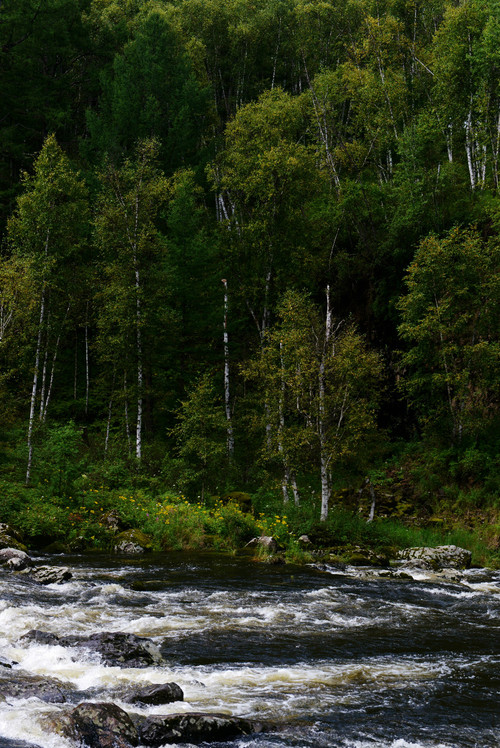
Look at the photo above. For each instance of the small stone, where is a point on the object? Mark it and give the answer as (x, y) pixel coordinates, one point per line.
(164, 693)
(304, 540)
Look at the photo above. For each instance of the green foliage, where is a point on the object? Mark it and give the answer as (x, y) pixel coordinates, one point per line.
(451, 323)
(59, 459)
(151, 93)
(201, 437)
(286, 146)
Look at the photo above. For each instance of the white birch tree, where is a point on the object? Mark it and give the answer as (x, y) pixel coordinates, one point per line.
(131, 250)
(49, 228)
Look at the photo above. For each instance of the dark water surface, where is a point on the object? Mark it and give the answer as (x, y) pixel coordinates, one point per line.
(331, 659)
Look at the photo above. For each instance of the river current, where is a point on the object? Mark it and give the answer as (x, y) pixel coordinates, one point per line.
(328, 658)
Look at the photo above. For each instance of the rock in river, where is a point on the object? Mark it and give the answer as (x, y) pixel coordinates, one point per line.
(442, 557)
(10, 555)
(49, 574)
(22, 685)
(115, 648)
(164, 693)
(95, 725)
(193, 727)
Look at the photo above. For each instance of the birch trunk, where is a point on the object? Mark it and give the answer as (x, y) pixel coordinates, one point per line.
(110, 410)
(138, 433)
(34, 388)
(87, 369)
(45, 405)
(127, 422)
(227, 390)
(324, 457)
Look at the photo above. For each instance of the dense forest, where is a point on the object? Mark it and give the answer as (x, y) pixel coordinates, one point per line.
(251, 245)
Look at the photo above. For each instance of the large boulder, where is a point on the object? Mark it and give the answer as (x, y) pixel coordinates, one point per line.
(95, 725)
(132, 543)
(21, 685)
(15, 559)
(114, 648)
(163, 693)
(10, 538)
(194, 728)
(442, 557)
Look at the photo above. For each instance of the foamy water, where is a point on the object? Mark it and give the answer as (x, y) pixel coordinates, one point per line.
(328, 659)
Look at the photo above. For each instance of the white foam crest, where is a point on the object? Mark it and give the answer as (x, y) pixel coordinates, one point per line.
(306, 676)
(157, 626)
(482, 587)
(399, 743)
(21, 722)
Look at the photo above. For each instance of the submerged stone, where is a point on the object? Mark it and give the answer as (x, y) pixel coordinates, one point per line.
(193, 727)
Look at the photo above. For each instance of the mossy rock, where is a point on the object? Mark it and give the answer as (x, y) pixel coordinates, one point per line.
(12, 532)
(7, 541)
(366, 557)
(132, 542)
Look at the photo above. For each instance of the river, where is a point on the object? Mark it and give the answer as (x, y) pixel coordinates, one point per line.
(329, 658)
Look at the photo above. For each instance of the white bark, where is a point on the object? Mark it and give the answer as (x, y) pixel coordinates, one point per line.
(138, 433)
(87, 369)
(53, 367)
(372, 507)
(34, 387)
(324, 457)
(127, 422)
(281, 425)
(44, 368)
(110, 411)
(227, 389)
(6, 316)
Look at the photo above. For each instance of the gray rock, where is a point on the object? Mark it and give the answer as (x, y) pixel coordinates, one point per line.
(132, 543)
(115, 648)
(265, 541)
(128, 548)
(6, 529)
(4, 662)
(50, 574)
(39, 637)
(165, 693)
(9, 541)
(193, 727)
(8, 554)
(24, 686)
(304, 540)
(95, 725)
(442, 557)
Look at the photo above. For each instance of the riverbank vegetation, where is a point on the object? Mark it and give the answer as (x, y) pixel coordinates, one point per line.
(251, 248)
